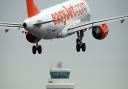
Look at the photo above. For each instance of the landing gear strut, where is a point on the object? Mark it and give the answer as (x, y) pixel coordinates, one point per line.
(79, 43)
(37, 48)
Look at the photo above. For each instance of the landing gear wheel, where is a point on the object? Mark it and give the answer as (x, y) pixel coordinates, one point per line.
(83, 46)
(34, 49)
(79, 43)
(39, 48)
(78, 48)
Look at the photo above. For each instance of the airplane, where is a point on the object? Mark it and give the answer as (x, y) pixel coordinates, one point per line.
(60, 21)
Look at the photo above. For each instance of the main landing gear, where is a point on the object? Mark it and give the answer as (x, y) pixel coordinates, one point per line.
(79, 43)
(36, 48)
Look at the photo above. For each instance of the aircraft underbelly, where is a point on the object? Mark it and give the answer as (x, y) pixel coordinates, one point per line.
(50, 33)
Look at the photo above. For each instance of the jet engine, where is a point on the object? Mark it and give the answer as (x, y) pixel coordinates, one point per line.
(100, 31)
(31, 38)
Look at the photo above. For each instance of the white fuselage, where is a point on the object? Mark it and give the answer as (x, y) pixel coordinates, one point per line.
(63, 15)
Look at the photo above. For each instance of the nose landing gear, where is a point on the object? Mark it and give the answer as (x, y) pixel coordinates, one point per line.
(36, 48)
(79, 43)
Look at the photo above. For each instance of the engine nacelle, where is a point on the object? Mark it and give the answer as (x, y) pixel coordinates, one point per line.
(100, 32)
(32, 38)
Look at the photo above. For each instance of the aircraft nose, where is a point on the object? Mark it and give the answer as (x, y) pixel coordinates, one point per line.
(28, 25)
(25, 25)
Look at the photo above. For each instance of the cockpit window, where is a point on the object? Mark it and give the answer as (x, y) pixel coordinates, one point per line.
(58, 75)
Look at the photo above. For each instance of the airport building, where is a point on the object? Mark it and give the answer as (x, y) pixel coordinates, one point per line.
(60, 78)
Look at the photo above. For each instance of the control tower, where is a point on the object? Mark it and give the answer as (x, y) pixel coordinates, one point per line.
(60, 78)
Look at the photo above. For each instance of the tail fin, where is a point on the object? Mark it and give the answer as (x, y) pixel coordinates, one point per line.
(31, 8)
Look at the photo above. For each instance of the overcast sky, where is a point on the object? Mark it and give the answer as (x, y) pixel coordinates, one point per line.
(104, 65)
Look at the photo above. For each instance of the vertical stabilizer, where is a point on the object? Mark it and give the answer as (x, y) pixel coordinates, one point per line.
(32, 9)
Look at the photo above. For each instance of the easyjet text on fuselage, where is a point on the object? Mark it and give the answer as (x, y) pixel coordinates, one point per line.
(68, 13)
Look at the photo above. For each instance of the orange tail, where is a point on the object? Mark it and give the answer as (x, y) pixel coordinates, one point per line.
(31, 8)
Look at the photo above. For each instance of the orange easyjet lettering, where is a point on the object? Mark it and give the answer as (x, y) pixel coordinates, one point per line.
(67, 13)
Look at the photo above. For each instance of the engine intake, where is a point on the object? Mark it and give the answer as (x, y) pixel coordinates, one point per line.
(31, 38)
(100, 32)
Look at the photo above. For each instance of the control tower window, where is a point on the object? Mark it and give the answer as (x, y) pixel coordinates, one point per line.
(59, 75)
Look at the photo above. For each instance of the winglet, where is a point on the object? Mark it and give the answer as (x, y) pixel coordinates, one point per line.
(31, 8)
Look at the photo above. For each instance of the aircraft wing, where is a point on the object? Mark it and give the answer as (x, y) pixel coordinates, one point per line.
(15, 25)
(3, 24)
(91, 24)
(18, 25)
